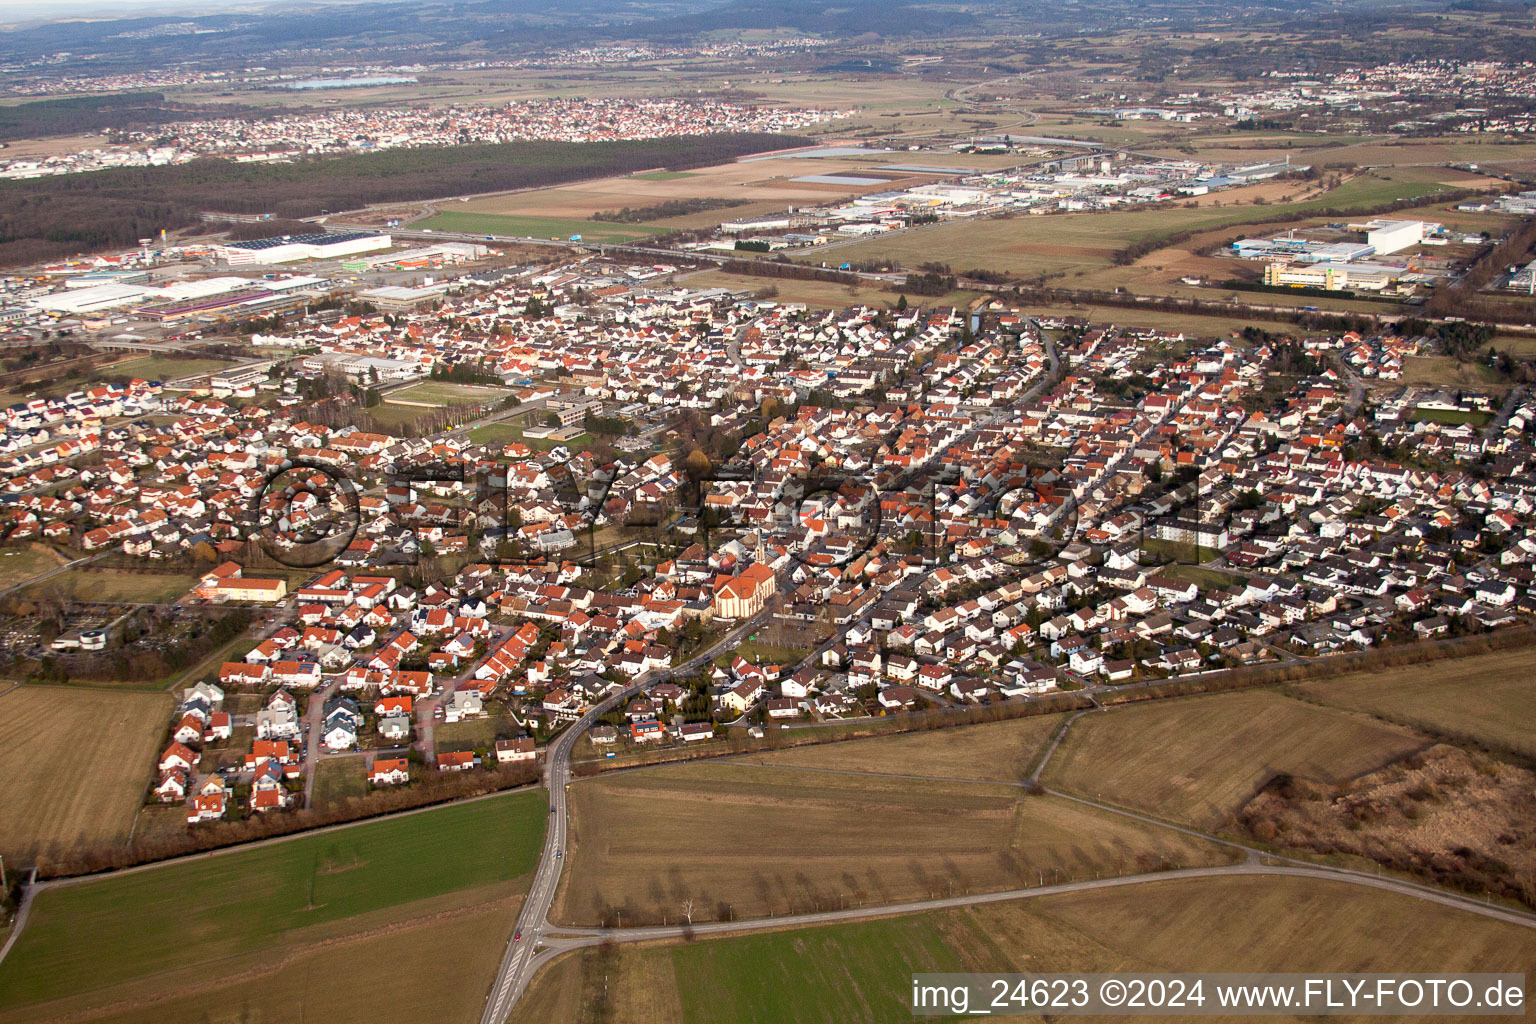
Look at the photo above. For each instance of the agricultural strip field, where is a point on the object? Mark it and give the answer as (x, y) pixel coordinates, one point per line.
(747, 840)
(230, 924)
(1489, 699)
(1202, 758)
(76, 764)
(533, 227)
(861, 972)
(433, 967)
(995, 751)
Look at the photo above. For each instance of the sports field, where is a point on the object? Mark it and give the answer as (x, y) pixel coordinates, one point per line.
(442, 392)
(1489, 699)
(1199, 759)
(770, 840)
(211, 922)
(1451, 417)
(861, 972)
(75, 764)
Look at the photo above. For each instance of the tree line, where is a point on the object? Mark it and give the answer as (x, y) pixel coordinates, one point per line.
(666, 208)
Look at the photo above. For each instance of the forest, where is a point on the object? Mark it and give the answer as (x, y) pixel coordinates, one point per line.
(50, 218)
(91, 115)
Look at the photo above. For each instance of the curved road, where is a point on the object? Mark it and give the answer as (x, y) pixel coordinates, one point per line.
(520, 960)
(574, 938)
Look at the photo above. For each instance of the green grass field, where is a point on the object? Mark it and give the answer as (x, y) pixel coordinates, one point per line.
(663, 175)
(1451, 417)
(337, 778)
(163, 367)
(126, 928)
(1205, 579)
(761, 654)
(533, 227)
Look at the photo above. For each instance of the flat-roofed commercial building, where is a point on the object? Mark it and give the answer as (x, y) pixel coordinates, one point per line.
(289, 248)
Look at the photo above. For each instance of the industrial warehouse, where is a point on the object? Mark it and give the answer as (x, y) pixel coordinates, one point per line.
(292, 248)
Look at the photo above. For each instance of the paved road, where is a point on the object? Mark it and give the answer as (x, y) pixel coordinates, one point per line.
(521, 960)
(1496, 425)
(576, 938)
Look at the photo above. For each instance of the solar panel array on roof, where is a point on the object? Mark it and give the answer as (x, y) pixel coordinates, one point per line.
(317, 238)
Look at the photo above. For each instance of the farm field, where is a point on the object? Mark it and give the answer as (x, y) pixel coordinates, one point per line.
(229, 918)
(764, 840)
(89, 583)
(1489, 699)
(76, 763)
(809, 974)
(1200, 759)
(995, 751)
(462, 946)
